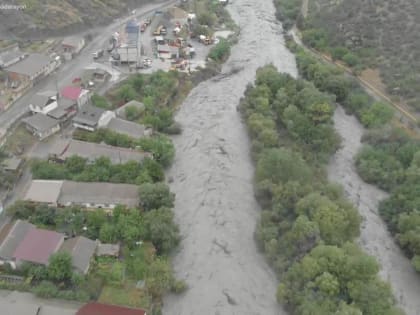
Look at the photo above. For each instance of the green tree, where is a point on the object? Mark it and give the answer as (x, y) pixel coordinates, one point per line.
(155, 196)
(161, 230)
(132, 113)
(126, 93)
(60, 267)
(377, 115)
(282, 165)
(159, 278)
(100, 101)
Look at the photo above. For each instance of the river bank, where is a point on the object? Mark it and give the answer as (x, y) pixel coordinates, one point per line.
(375, 238)
(212, 177)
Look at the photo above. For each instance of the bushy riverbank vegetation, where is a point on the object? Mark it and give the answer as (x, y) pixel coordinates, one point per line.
(346, 90)
(391, 160)
(307, 226)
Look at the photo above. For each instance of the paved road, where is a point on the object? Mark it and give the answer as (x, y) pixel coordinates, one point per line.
(74, 68)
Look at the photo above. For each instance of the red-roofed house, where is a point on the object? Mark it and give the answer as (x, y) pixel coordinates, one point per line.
(37, 246)
(94, 308)
(75, 93)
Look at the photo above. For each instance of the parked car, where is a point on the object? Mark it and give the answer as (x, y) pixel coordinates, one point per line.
(147, 62)
(98, 54)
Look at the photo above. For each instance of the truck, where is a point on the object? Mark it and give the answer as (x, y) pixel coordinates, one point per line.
(98, 54)
(161, 30)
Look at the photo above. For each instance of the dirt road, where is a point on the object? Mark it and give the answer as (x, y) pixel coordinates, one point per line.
(374, 239)
(212, 178)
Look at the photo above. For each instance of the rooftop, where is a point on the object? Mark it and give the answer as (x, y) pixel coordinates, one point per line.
(41, 122)
(10, 55)
(42, 99)
(94, 308)
(108, 249)
(99, 193)
(38, 245)
(128, 128)
(64, 149)
(73, 41)
(81, 250)
(31, 65)
(13, 237)
(71, 92)
(89, 115)
(45, 191)
(12, 163)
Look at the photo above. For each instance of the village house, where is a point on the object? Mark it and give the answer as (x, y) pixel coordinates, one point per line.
(95, 308)
(41, 126)
(21, 241)
(30, 70)
(11, 235)
(72, 46)
(37, 246)
(61, 150)
(128, 128)
(65, 110)
(11, 57)
(82, 250)
(88, 195)
(15, 305)
(12, 165)
(108, 250)
(91, 118)
(43, 102)
(75, 93)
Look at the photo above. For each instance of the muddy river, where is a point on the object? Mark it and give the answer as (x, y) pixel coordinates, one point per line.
(374, 238)
(212, 178)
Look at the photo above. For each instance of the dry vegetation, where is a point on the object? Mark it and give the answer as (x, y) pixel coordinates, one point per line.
(54, 17)
(382, 34)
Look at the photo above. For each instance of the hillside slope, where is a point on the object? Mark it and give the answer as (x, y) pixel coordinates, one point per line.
(40, 18)
(382, 34)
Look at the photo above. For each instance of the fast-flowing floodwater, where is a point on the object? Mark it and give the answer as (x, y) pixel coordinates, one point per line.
(374, 238)
(212, 178)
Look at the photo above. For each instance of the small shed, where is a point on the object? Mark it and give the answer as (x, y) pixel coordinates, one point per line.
(110, 250)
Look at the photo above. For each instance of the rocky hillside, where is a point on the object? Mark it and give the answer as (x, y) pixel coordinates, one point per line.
(40, 18)
(383, 34)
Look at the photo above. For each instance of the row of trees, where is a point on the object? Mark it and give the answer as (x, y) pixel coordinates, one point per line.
(159, 145)
(346, 90)
(307, 226)
(101, 170)
(391, 160)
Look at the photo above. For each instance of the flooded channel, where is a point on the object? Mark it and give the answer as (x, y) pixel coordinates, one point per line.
(212, 177)
(374, 238)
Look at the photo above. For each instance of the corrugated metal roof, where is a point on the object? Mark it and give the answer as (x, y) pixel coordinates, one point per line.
(38, 245)
(14, 237)
(81, 250)
(128, 128)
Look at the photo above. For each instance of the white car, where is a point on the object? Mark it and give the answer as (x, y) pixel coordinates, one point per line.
(147, 62)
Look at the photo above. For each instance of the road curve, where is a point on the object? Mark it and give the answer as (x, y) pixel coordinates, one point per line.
(212, 177)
